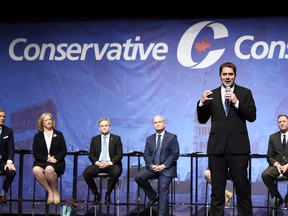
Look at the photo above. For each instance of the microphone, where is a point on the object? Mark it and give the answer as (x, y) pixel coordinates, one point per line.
(227, 102)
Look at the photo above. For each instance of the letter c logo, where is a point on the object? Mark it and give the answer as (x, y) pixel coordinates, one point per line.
(184, 51)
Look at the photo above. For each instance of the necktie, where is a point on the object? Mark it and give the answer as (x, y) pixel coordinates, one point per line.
(227, 106)
(227, 102)
(157, 152)
(284, 142)
(104, 150)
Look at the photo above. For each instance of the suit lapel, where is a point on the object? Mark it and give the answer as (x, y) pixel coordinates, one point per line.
(218, 99)
(279, 143)
(2, 135)
(163, 141)
(111, 141)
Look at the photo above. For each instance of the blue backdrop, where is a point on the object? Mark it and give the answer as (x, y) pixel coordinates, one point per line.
(129, 71)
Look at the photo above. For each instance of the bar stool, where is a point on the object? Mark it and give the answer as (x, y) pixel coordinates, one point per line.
(229, 206)
(116, 204)
(47, 206)
(10, 194)
(274, 210)
(172, 192)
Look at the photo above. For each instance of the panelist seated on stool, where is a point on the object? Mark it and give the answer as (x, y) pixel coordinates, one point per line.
(7, 167)
(49, 151)
(105, 154)
(160, 155)
(277, 157)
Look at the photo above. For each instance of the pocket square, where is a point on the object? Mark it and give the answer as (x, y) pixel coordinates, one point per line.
(5, 137)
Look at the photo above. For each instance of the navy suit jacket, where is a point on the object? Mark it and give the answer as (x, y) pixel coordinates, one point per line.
(169, 153)
(115, 149)
(231, 129)
(6, 144)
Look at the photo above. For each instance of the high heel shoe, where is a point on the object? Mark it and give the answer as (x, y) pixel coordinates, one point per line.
(228, 197)
(50, 198)
(56, 197)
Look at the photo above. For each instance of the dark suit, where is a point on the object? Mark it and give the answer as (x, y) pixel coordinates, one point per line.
(168, 156)
(115, 170)
(7, 153)
(229, 146)
(58, 149)
(274, 154)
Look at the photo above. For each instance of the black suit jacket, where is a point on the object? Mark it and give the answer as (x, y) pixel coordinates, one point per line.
(115, 149)
(231, 129)
(274, 151)
(6, 144)
(58, 149)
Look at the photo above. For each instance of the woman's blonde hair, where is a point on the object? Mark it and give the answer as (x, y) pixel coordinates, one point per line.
(40, 126)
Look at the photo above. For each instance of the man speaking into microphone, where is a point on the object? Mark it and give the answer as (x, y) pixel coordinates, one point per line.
(229, 106)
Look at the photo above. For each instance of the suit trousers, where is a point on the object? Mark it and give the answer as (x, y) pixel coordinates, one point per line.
(268, 176)
(9, 177)
(92, 171)
(238, 167)
(142, 178)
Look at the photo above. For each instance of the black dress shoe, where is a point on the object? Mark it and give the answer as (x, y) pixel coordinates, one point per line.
(278, 202)
(107, 200)
(97, 199)
(3, 198)
(153, 201)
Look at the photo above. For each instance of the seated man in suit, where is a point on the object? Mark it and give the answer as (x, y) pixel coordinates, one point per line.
(106, 153)
(277, 157)
(6, 156)
(161, 154)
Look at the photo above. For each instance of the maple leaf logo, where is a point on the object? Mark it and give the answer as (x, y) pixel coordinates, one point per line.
(202, 46)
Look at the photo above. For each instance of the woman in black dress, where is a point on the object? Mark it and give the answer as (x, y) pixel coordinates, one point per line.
(49, 151)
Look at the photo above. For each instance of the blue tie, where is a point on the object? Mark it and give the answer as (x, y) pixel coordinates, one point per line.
(104, 150)
(157, 152)
(227, 106)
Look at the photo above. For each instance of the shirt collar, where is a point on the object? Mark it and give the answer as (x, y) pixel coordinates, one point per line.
(223, 88)
(162, 133)
(107, 135)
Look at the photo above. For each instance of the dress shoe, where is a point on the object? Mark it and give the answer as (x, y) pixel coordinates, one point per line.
(3, 198)
(96, 199)
(107, 200)
(153, 201)
(278, 202)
